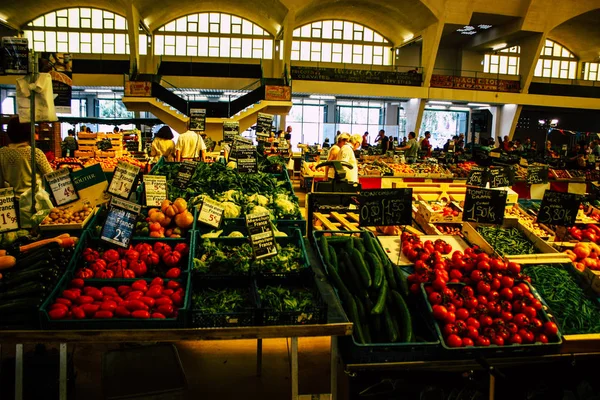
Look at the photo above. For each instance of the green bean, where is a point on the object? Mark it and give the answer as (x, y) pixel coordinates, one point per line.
(574, 311)
(507, 241)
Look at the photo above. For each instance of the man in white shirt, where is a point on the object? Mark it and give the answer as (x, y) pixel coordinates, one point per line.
(190, 146)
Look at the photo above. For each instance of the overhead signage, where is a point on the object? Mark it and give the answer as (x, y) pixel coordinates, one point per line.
(138, 88)
(8, 211)
(558, 208)
(120, 222)
(211, 213)
(231, 130)
(62, 186)
(498, 178)
(123, 180)
(278, 93)
(90, 184)
(261, 235)
(155, 187)
(477, 176)
(462, 82)
(485, 206)
(264, 123)
(356, 76)
(385, 207)
(187, 169)
(15, 55)
(198, 119)
(537, 174)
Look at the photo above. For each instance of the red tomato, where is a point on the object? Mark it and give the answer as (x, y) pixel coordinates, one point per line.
(165, 309)
(60, 300)
(483, 266)
(450, 317)
(476, 275)
(58, 313)
(160, 248)
(462, 314)
(141, 314)
(454, 341)
(467, 342)
(506, 293)
(506, 316)
(526, 335)
(84, 300)
(139, 285)
(485, 320)
(132, 255)
(514, 268)
(542, 338)
(173, 273)
(498, 340)
(177, 299)
(521, 320)
(143, 247)
(515, 339)
(473, 322)
(550, 329)
(78, 313)
(472, 332)
(157, 316)
(150, 257)
(173, 285)
(530, 312)
(138, 267)
(77, 283)
(122, 311)
(507, 281)
(483, 287)
(535, 303)
(435, 298)
(439, 312)
(517, 292)
(482, 341)
(182, 248)
(111, 255)
(495, 284)
(102, 314)
(135, 305)
(149, 301)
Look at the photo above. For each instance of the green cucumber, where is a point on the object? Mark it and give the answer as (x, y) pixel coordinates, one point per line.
(401, 281)
(324, 246)
(352, 311)
(362, 268)
(380, 305)
(361, 309)
(338, 240)
(339, 284)
(353, 275)
(368, 242)
(375, 325)
(333, 261)
(358, 244)
(403, 317)
(390, 327)
(376, 267)
(349, 246)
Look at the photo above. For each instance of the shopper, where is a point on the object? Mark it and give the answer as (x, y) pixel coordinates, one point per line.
(15, 159)
(69, 144)
(383, 141)
(288, 134)
(426, 145)
(505, 144)
(326, 144)
(163, 145)
(411, 150)
(365, 141)
(116, 129)
(347, 154)
(341, 140)
(190, 146)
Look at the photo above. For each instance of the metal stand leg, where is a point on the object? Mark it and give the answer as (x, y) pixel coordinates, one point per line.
(334, 365)
(62, 379)
(258, 357)
(19, 372)
(294, 368)
(492, 395)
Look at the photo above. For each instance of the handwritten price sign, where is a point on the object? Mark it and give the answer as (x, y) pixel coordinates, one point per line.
(484, 206)
(120, 222)
(8, 212)
(62, 186)
(558, 208)
(123, 180)
(385, 207)
(211, 213)
(156, 189)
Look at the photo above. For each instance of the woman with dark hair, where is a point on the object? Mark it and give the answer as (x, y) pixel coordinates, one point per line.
(163, 145)
(15, 159)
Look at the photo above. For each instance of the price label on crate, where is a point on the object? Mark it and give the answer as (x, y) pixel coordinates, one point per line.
(155, 187)
(261, 234)
(62, 186)
(246, 159)
(484, 206)
(211, 213)
(123, 180)
(537, 174)
(498, 178)
(477, 177)
(385, 207)
(8, 211)
(558, 208)
(120, 222)
(184, 174)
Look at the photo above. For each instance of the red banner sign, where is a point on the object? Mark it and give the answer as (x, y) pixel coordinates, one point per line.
(463, 82)
(143, 89)
(278, 93)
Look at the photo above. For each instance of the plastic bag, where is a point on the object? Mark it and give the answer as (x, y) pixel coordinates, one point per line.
(43, 205)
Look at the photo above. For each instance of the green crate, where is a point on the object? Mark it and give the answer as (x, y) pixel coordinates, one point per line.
(116, 323)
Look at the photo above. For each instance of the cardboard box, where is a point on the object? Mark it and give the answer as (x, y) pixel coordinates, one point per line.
(430, 215)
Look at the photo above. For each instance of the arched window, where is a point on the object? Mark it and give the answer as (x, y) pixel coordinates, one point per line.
(81, 30)
(340, 42)
(591, 71)
(556, 61)
(213, 35)
(506, 61)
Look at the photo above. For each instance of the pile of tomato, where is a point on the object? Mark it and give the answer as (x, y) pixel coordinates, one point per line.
(134, 262)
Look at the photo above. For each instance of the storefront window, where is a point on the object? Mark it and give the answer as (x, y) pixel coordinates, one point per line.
(591, 71)
(307, 119)
(356, 116)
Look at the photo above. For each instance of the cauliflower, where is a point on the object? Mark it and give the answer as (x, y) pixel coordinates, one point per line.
(213, 234)
(261, 209)
(259, 199)
(286, 207)
(199, 199)
(279, 234)
(230, 195)
(236, 234)
(232, 165)
(232, 210)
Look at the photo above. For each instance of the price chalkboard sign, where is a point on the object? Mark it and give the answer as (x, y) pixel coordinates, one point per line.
(197, 119)
(537, 174)
(558, 208)
(485, 206)
(477, 177)
(120, 222)
(230, 130)
(498, 178)
(62, 186)
(385, 207)
(261, 234)
(264, 122)
(8, 211)
(211, 213)
(246, 159)
(123, 180)
(155, 187)
(184, 174)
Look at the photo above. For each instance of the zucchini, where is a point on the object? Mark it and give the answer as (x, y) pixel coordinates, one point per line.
(376, 267)
(339, 284)
(375, 325)
(366, 333)
(403, 317)
(380, 305)
(368, 242)
(361, 309)
(390, 327)
(358, 244)
(362, 268)
(324, 246)
(352, 275)
(333, 261)
(353, 316)
(389, 273)
(26, 289)
(338, 240)
(349, 246)
(401, 281)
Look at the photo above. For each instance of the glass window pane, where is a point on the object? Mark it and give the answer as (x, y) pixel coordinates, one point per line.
(74, 42)
(246, 27)
(368, 35)
(159, 44)
(38, 21)
(268, 49)
(377, 50)
(109, 48)
(181, 24)
(109, 24)
(512, 70)
(225, 23)
(377, 37)
(377, 60)
(50, 41)
(348, 30)
(192, 41)
(120, 43)
(305, 31)
(203, 23)
(96, 43)
(493, 68)
(86, 23)
(555, 68)
(503, 65)
(305, 51)
(120, 22)
(143, 45)
(246, 48)
(213, 42)
(202, 47)
(296, 32)
(564, 74)
(214, 17)
(326, 52)
(213, 52)
(62, 22)
(327, 30)
(347, 53)
(557, 50)
(337, 47)
(572, 69)
(257, 30)
(62, 47)
(295, 55)
(367, 54)
(336, 57)
(236, 42)
(50, 20)
(486, 63)
(85, 12)
(564, 65)
(38, 35)
(358, 35)
(109, 38)
(181, 48)
(538, 68)
(357, 59)
(257, 53)
(565, 53)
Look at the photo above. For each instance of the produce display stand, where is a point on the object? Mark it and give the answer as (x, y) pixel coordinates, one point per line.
(337, 325)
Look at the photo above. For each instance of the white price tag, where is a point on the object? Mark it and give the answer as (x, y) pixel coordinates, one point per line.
(62, 187)
(156, 189)
(123, 179)
(8, 213)
(211, 214)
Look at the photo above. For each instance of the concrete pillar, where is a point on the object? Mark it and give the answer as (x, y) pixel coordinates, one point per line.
(391, 114)
(431, 44)
(507, 118)
(133, 23)
(414, 114)
(289, 23)
(531, 46)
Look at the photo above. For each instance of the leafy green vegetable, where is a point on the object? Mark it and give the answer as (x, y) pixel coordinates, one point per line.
(221, 301)
(282, 299)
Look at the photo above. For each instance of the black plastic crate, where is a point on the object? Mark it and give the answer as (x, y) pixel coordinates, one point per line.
(202, 319)
(315, 314)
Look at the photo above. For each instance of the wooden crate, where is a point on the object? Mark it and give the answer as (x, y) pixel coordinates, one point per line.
(109, 154)
(84, 135)
(87, 142)
(84, 153)
(430, 215)
(346, 221)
